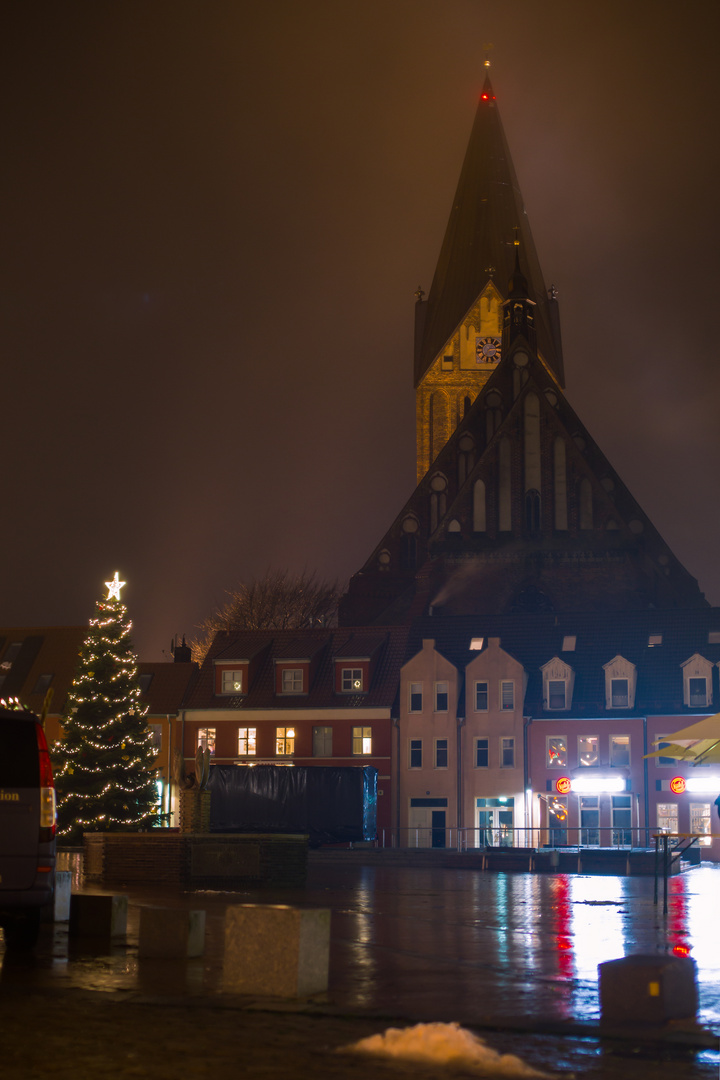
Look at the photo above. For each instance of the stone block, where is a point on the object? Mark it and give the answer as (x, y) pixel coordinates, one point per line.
(274, 950)
(61, 895)
(171, 933)
(98, 915)
(647, 991)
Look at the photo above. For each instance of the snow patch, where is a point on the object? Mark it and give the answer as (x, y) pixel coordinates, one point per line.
(444, 1044)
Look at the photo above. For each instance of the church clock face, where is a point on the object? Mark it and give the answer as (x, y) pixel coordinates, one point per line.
(487, 350)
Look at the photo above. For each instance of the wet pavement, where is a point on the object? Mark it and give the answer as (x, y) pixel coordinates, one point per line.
(512, 956)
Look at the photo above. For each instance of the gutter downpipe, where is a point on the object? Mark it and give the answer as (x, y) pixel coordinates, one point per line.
(396, 725)
(526, 773)
(646, 806)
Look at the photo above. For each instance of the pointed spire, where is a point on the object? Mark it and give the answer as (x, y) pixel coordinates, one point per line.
(487, 207)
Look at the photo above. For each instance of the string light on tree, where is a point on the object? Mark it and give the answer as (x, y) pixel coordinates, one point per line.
(106, 762)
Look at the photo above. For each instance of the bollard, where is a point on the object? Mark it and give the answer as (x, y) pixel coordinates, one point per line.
(275, 950)
(98, 915)
(171, 933)
(647, 991)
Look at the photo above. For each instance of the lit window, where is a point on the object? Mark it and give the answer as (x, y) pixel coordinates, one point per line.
(569, 642)
(43, 683)
(667, 817)
(700, 822)
(619, 694)
(556, 752)
(247, 741)
(362, 740)
(292, 681)
(441, 753)
(206, 739)
(476, 643)
(697, 692)
(352, 680)
(416, 753)
(322, 742)
(507, 695)
(654, 639)
(556, 694)
(482, 753)
(507, 753)
(284, 741)
(714, 637)
(441, 696)
(481, 697)
(156, 730)
(232, 682)
(416, 702)
(619, 750)
(587, 751)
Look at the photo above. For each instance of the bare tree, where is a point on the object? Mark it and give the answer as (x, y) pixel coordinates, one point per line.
(277, 601)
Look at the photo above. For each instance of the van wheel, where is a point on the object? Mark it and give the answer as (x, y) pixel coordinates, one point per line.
(22, 930)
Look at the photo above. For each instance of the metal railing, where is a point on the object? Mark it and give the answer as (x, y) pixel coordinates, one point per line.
(504, 836)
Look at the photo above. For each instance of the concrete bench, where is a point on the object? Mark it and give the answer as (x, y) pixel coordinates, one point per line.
(171, 933)
(98, 915)
(647, 991)
(61, 896)
(273, 950)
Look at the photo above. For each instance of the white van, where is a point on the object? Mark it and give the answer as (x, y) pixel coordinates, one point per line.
(27, 826)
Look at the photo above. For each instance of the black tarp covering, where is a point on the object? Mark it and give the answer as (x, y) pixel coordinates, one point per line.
(331, 805)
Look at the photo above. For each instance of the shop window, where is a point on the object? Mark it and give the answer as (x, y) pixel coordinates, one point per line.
(247, 742)
(700, 822)
(587, 751)
(481, 697)
(482, 753)
(322, 742)
(619, 750)
(441, 753)
(557, 757)
(284, 741)
(507, 753)
(206, 739)
(441, 696)
(589, 820)
(667, 817)
(416, 753)
(557, 821)
(622, 820)
(416, 697)
(362, 740)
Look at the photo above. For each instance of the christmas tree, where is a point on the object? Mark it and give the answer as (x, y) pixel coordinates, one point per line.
(104, 766)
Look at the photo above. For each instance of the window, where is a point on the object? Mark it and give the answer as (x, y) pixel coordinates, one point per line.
(667, 817)
(441, 753)
(556, 694)
(589, 819)
(292, 681)
(587, 750)
(362, 740)
(416, 753)
(481, 697)
(556, 752)
(714, 637)
(619, 750)
(507, 753)
(622, 819)
(482, 753)
(284, 741)
(143, 680)
(557, 820)
(697, 692)
(206, 739)
(507, 695)
(654, 639)
(619, 696)
(447, 363)
(700, 822)
(665, 760)
(352, 680)
(43, 683)
(156, 731)
(569, 642)
(441, 697)
(10, 655)
(232, 682)
(322, 742)
(416, 703)
(247, 742)
(476, 643)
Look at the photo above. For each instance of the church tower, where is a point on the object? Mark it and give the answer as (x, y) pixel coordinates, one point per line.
(458, 329)
(516, 509)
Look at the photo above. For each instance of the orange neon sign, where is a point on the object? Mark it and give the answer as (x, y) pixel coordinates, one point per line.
(677, 784)
(563, 785)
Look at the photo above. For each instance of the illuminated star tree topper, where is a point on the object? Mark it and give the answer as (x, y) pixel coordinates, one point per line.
(113, 587)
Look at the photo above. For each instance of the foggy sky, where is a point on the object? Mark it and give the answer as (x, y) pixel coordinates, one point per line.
(215, 218)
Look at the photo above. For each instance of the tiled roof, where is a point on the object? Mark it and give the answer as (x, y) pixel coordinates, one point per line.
(168, 686)
(390, 649)
(46, 650)
(536, 639)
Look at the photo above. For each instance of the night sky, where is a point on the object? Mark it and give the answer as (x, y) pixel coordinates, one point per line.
(214, 219)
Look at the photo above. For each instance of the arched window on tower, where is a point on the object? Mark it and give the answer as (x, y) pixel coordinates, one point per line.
(466, 457)
(586, 504)
(493, 413)
(479, 513)
(438, 500)
(408, 543)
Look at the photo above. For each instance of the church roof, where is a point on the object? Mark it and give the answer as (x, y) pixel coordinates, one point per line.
(479, 242)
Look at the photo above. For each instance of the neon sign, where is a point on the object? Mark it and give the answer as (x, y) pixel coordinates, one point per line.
(563, 785)
(677, 784)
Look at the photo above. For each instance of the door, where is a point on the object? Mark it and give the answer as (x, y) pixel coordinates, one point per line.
(438, 828)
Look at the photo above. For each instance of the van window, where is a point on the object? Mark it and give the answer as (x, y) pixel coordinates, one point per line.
(19, 767)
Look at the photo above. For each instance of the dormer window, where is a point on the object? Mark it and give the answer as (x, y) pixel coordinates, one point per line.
(620, 682)
(292, 681)
(232, 682)
(351, 680)
(558, 683)
(697, 682)
(619, 694)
